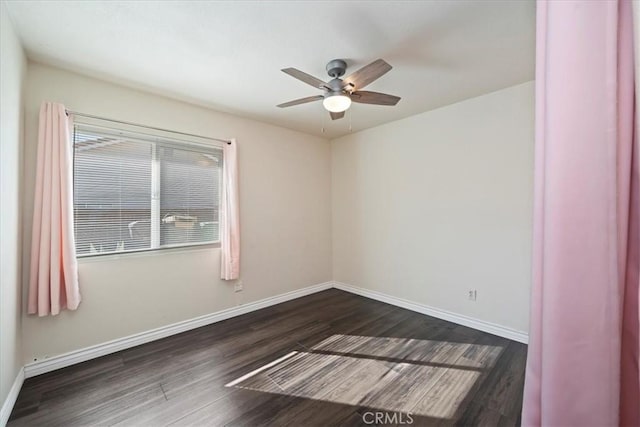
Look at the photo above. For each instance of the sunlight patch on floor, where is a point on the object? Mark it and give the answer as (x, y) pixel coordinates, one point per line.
(409, 349)
(424, 377)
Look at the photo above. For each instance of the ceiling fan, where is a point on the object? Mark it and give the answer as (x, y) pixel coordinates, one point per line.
(339, 93)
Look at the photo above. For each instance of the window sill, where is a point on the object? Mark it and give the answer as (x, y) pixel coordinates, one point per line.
(85, 259)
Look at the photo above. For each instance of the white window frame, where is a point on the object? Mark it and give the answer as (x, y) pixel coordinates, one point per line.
(176, 140)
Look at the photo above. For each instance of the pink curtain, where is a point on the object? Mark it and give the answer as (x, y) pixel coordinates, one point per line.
(53, 284)
(582, 366)
(230, 215)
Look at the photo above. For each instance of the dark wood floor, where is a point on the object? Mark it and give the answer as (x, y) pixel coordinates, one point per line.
(331, 358)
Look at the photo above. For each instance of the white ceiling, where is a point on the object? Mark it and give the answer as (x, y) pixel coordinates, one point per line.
(228, 55)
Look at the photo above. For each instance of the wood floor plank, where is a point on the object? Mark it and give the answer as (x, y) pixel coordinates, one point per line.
(358, 383)
(509, 383)
(265, 413)
(229, 368)
(309, 412)
(347, 356)
(222, 411)
(444, 396)
(80, 413)
(161, 412)
(283, 378)
(33, 389)
(500, 394)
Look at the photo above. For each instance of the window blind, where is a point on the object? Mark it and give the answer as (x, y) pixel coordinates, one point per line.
(188, 196)
(133, 193)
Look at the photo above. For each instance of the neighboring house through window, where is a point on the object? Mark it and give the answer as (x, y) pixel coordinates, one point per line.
(136, 192)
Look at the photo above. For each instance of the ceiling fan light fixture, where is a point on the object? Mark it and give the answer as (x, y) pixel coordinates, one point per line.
(337, 103)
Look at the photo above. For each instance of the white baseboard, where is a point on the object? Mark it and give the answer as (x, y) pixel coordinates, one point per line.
(7, 406)
(88, 353)
(459, 319)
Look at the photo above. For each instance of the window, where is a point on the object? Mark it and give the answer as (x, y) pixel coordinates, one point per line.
(136, 192)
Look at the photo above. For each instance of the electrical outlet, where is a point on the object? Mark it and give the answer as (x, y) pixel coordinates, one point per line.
(473, 294)
(237, 287)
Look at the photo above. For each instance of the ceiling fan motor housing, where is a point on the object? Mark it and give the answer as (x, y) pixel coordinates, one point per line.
(336, 68)
(335, 87)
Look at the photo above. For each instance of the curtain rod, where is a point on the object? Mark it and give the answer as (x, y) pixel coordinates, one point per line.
(226, 141)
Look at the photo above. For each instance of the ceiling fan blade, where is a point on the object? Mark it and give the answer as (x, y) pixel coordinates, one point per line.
(304, 77)
(301, 101)
(377, 98)
(336, 116)
(367, 74)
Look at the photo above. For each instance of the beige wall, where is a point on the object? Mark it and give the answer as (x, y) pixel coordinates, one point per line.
(429, 207)
(12, 73)
(424, 208)
(285, 207)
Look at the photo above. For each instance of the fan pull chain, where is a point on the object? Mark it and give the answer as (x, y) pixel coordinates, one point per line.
(350, 121)
(322, 120)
